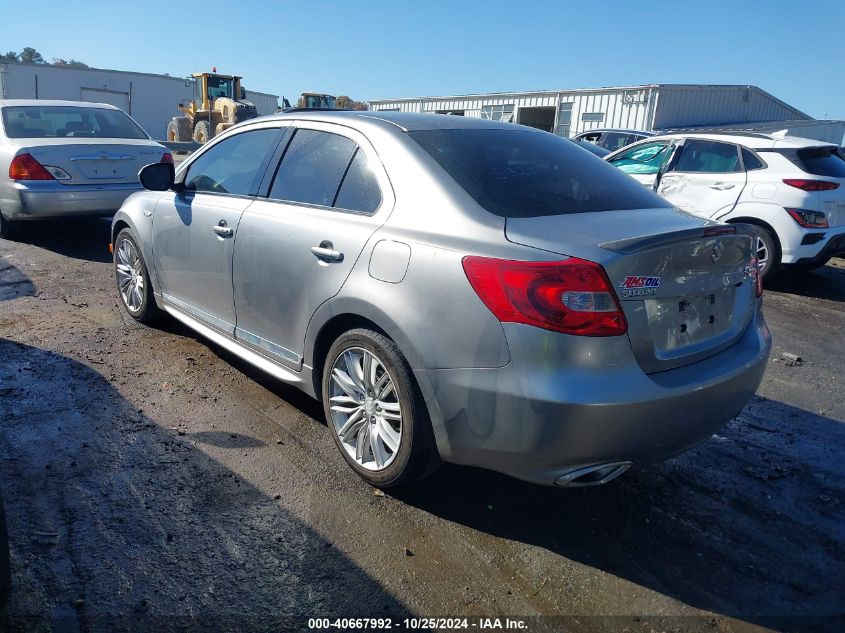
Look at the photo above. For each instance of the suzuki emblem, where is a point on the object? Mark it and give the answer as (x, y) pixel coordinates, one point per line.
(717, 254)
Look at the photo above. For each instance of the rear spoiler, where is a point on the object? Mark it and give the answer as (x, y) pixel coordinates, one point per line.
(648, 242)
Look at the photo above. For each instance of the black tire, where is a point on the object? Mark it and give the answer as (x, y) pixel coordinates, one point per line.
(5, 561)
(772, 246)
(203, 132)
(8, 229)
(146, 310)
(416, 455)
(179, 129)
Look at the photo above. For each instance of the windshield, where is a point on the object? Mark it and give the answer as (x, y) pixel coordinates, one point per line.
(220, 87)
(521, 174)
(68, 121)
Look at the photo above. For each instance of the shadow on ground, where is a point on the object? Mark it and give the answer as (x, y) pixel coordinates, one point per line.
(750, 524)
(117, 523)
(827, 282)
(13, 283)
(79, 238)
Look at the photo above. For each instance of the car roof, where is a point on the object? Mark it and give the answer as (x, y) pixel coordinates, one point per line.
(54, 103)
(405, 121)
(754, 140)
(617, 129)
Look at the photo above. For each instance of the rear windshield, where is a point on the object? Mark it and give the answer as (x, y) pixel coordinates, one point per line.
(68, 121)
(525, 174)
(822, 161)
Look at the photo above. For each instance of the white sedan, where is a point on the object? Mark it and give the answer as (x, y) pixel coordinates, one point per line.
(791, 190)
(67, 158)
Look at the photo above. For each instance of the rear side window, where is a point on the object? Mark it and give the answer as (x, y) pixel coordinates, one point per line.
(709, 157)
(359, 191)
(523, 174)
(234, 164)
(312, 168)
(68, 121)
(751, 161)
(822, 161)
(645, 159)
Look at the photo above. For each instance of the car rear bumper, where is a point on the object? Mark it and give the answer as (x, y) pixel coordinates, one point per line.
(540, 421)
(49, 198)
(833, 245)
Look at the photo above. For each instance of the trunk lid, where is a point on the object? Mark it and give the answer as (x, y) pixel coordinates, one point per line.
(684, 283)
(105, 161)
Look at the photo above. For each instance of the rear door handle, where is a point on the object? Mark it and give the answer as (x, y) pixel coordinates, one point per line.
(326, 251)
(721, 186)
(222, 230)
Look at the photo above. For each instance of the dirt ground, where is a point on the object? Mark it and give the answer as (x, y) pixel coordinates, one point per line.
(154, 482)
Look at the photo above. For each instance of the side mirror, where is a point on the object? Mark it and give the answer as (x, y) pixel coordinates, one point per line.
(158, 176)
(243, 94)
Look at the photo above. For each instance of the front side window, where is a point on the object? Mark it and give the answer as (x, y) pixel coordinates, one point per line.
(522, 174)
(68, 121)
(498, 112)
(645, 159)
(234, 164)
(710, 157)
(312, 168)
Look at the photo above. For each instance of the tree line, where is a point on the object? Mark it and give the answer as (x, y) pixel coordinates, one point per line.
(31, 56)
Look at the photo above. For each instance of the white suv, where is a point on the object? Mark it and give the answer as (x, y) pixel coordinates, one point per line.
(789, 189)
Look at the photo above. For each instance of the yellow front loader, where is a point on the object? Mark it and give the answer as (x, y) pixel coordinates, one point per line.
(219, 103)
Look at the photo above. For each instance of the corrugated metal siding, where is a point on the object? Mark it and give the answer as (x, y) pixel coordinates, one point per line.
(264, 103)
(636, 107)
(611, 102)
(684, 106)
(153, 97)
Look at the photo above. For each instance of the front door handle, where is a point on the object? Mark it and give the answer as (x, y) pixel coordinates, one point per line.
(222, 230)
(326, 251)
(721, 186)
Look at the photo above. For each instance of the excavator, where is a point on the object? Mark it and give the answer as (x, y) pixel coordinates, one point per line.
(219, 103)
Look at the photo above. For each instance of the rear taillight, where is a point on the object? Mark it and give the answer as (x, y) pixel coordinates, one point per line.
(167, 157)
(811, 185)
(809, 219)
(754, 271)
(572, 296)
(25, 167)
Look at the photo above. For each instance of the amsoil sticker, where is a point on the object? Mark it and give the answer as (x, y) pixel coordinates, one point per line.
(634, 281)
(639, 286)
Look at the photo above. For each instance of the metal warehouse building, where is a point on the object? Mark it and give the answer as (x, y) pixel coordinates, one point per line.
(649, 107)
(149, 99)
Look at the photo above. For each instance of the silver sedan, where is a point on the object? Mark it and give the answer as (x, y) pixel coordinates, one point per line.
(453, 289)
(68, 158)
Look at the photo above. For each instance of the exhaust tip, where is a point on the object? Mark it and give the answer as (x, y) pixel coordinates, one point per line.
(594, 475)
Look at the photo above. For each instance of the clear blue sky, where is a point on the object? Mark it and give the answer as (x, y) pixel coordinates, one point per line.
(371, 49)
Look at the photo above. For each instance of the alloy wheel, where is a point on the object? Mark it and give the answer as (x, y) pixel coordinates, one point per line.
(365, 408)
(130, 277)
(761, 250)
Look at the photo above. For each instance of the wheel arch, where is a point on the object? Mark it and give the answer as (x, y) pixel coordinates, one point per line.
(132, 216)
(751, 220)
(340, 315)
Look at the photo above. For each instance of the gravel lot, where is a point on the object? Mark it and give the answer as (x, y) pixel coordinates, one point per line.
(154, 482)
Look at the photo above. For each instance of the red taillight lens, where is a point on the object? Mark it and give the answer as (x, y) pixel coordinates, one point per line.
(572, 296)
(809, 219)
(811, 185)
(167, 157)
(25, 167)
